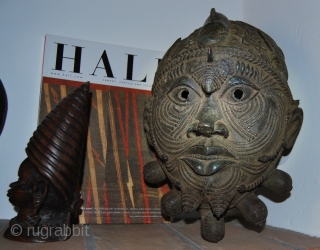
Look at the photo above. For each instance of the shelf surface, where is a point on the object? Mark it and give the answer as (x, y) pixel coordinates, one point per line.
(183, 234)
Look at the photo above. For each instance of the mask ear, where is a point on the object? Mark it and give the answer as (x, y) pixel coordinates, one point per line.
(293, 128)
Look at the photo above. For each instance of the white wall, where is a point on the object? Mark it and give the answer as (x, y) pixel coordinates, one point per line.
(144, 24)
(156, 25)
(294, 25)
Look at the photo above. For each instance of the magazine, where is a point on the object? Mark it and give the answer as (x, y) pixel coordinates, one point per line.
(112, 188)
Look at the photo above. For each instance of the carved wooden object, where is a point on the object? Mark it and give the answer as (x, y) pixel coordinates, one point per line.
(3, 106)
(220, 116)
(47, 192)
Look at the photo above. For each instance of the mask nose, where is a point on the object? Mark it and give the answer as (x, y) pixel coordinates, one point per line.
(210, 127)
(14, 184)
(209, 121)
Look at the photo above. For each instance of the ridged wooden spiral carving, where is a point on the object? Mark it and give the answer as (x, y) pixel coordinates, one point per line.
(47, 191)
(220, 116)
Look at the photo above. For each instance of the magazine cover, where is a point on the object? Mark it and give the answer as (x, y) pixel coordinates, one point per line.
(113, 188)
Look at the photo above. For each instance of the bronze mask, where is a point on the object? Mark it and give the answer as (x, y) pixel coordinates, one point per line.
(220, 116)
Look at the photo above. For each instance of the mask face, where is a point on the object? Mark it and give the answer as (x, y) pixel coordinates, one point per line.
(21, 192)
(219, 118)
(219, 127)
(243, 115)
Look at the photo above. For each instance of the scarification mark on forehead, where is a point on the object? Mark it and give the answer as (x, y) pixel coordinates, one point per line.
(171, 69)
(209, 78)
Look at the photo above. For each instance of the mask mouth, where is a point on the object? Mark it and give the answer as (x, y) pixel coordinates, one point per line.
(213, 151)
(9, 194)
(207, 160)
(206, 168)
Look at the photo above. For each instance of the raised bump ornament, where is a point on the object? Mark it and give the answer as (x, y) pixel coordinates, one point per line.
(47, 192)
(220, 115)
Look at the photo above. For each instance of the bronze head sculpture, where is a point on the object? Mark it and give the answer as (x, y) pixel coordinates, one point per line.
(47, 192)
(220, 116)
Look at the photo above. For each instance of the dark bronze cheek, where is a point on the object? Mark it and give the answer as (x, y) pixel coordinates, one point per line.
(251, 120)
(172, 121)
(20, 196)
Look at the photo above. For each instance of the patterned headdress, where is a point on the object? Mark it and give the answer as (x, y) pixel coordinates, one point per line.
(222, 38)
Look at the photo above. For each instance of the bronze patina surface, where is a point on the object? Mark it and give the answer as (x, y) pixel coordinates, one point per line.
(47, 191)
(220, 116)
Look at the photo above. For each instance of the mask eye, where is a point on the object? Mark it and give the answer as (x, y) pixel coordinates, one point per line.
(240, 93)
(183, 95)
(23, 185)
